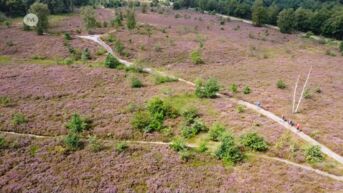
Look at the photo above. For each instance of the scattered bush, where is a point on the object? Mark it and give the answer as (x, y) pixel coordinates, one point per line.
(95, 144)
(216, 131)
(141, 120)
(314, 154)
(18, 119)
(196, 57)
(203, 147)
(190, 115)
(136, 83)
(195, 128)
(72, 141)
(247, 90)
(233, 88)
(33, 150)
(131, 19)
(121, 146)
(100, 52)
(5, 101)
(185, 155)
(330, 53)
(67, 36)
(26, 27)
(178, 144)
(254, 142)
(280, 84)
(240, 109)
(159, 79)
(85, 55)
(111, 61)
(2, 142)
(228, 151)
(119, 47)
(159, 108)
(208, 89)
(68, 61)
(105, 24)
(77, 124)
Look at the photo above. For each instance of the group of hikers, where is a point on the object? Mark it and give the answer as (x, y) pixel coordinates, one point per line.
(291, 123)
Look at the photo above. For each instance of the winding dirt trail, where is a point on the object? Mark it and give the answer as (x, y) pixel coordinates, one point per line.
(287, 162)
(270, 115)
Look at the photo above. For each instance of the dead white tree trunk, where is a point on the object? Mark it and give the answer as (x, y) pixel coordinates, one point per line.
(302, 93)
(295, 93)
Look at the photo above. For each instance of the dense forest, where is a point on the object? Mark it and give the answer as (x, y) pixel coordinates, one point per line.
(321, 17)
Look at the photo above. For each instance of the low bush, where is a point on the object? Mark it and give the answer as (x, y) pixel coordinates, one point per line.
(86, 55)
(216, 131)
(195, 128)
(159, 79)
(190, 115)
(233, 88)
(240, 109)
(203, 147)
(7, 23)
(247, 90)
(18, 119)
(228, 150)
(208, 89)
(2, 142)
(254, 142)
(159, 108)
(119, 47)
(111, 61)
(33, 150)
(67, 36)
(95, 144)
(307, 94)
(280, 84)
(5, 101)
(178, 144)
(196, 57)
(100, 52)
(314, 154)
(77, 124)
(136, 83)
(72, 141)
(185, 155)
(68, 61)
(141, 120)
(121, 147)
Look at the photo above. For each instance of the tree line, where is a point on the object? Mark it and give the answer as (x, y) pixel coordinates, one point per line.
(321, 17)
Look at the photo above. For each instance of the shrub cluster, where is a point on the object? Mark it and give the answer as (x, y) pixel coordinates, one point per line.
(136, 83)
(121, 146)
(2, 142)
(196, 57)
(314, 154)
(111, 61)
(208, 89)
(216, 131)
(95, 144)
(254, 142)
(151, 119)
(76, 125)
(190, 130)
(228, 150)
(18, 119)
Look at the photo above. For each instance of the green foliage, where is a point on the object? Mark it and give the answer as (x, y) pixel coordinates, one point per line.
(131, 19)
(203, 147)
(101, 51)
(185, 155)
(216, 132)
(178, 144)
(281, 84)
(85, 55)
(303, 19)
(42, 12)
(307, 94)
(77, 124)
(208, 89)
(233, 88)
(286, 21)
(193, 129)
(67, 36)
(190, 115)
(33, 150)
(159, 79)
(228, 150)
(159, 108)
(119, 47)
(247, 90)
(196, 57)
(72, 141)
(240, 109)
(5, 101)
(313, 154)
(2, 142)
(111, 61)
(95, 143)
(88, 16)
(254, 142)
(68, 61)
(117, 22)
(121, 146)
(136, 83)
(18, 119)
(259, 13)
(141, 120)
(8, 23)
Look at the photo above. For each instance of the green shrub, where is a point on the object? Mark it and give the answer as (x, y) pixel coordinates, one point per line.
(7, 23)
(228, 151)
(67, 36)
(72, 141)
(141, 120)
(119, 47)
(196, 57)
(18, 119)
(85, 55)
(95, 143)
(121, 146)
(195, 128)
(178, 144)
(208, 89)
(111, 61)
(185, 155)
(163, 79)
(2, 142)
(240, 108)
(190, 115)
(136, 83)
(33, 150)
(5, 101)
(254, 142)
(216, 131)
(203, 147)
(314, 154)
(134, 68)
(233, 88)
(307, 94)
(131, 19)
(68, 61)
(100, 52)
(247, 90)
(159, 108)
(77, 124)
(280, 84)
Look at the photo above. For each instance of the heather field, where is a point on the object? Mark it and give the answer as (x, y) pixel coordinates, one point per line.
(72, 119)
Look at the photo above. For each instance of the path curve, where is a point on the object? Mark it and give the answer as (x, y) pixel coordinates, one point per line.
(287, 162)
(270, 115)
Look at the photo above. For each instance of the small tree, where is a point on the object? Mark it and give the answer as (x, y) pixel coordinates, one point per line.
(42, 12)
(111, 61)
(254, 142)
(88, 16)
(228, 151)
(216, 131)
(72, 141)
(131, 19)
(208, 89)
(95, 143)
(286, 21)
(2, 142)
(178, 144)
(314, 154)
(85, 55)
(233, 88)
(77, 124)
(67, 36)
(259, 13)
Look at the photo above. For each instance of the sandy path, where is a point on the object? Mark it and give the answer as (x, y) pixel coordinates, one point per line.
(270, 115)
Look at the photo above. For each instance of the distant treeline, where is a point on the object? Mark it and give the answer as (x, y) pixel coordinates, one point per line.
(321, 17)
